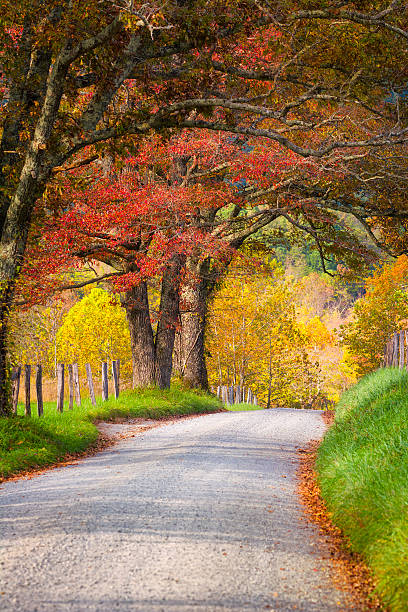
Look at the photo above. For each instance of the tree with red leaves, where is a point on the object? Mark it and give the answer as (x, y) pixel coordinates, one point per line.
(178, 210)
(101, 73)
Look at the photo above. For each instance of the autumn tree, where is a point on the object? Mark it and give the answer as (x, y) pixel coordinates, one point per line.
(176, 210)
(34, 334)
(77, 77)
(94, 330)
(255, 340)
(382, 311)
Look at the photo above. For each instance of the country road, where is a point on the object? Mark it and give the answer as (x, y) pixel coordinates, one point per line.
(199, 514)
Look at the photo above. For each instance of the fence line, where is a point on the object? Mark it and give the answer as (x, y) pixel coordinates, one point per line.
(236, 395)
(73, 385)
(396, 351)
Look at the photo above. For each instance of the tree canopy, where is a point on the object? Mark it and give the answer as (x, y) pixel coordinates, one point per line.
(322, 107)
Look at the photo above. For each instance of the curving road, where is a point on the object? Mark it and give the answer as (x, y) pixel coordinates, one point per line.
(199, 514)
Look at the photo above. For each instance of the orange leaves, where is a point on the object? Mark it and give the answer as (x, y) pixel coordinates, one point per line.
(377, 315)
(347, 570)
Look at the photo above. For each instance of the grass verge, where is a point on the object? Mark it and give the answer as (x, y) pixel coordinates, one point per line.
(242, 406)
(362, 468)
(31, 443)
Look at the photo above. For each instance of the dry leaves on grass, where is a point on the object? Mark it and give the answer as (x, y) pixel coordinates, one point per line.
(349, 572)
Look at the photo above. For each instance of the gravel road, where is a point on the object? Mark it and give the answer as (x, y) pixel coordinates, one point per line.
(199, 514)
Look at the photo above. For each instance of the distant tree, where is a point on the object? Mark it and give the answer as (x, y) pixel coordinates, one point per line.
(382, 311)
(254, 339)
(94, 330)
(34, 334)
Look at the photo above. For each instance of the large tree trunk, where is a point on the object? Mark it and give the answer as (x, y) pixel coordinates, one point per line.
(12, 246)
(194, 298)
(16, 211)
(5, 389)
(136, 303)
(168, 322)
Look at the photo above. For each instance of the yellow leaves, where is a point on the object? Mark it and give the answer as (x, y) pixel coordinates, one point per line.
(317, 334)
(94, 330)
(254, 338)
(377, 315)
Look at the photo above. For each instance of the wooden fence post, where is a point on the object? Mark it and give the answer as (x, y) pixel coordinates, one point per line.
(15, 378)
(105, 388)
(391, 353)
(27, 390)
(224, 394)
(60, 387)
(115, 378)
(401, 350)
(388, 353)
(396, 350)
(406, 349)
(90, 384)
(38, 388)
(76, 384)
(71, 386)
(237, 395)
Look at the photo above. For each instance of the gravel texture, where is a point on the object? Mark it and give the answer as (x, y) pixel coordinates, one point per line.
(199, 514)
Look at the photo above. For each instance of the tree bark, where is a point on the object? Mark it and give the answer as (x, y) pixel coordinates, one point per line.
(136, 303)
(168, 322)
(5, 387)
(194, 297)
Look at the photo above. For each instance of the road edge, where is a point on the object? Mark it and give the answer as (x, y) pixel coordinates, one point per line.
(102, 443)
(348, 570)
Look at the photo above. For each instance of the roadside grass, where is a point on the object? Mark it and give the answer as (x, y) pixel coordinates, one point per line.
(242, 406)
(362, 469)
(31, 442)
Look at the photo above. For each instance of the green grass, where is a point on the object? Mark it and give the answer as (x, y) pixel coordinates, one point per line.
(242, 406)
(362, 468)
(29, 443)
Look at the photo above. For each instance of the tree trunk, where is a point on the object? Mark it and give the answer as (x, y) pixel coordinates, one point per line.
(194, 298)
(168, 322)
(12, 246)
(5, 387)
(136, 303)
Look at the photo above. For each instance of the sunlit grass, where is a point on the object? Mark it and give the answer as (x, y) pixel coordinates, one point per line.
(242, 406)
(363, 473)
(34, 442)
